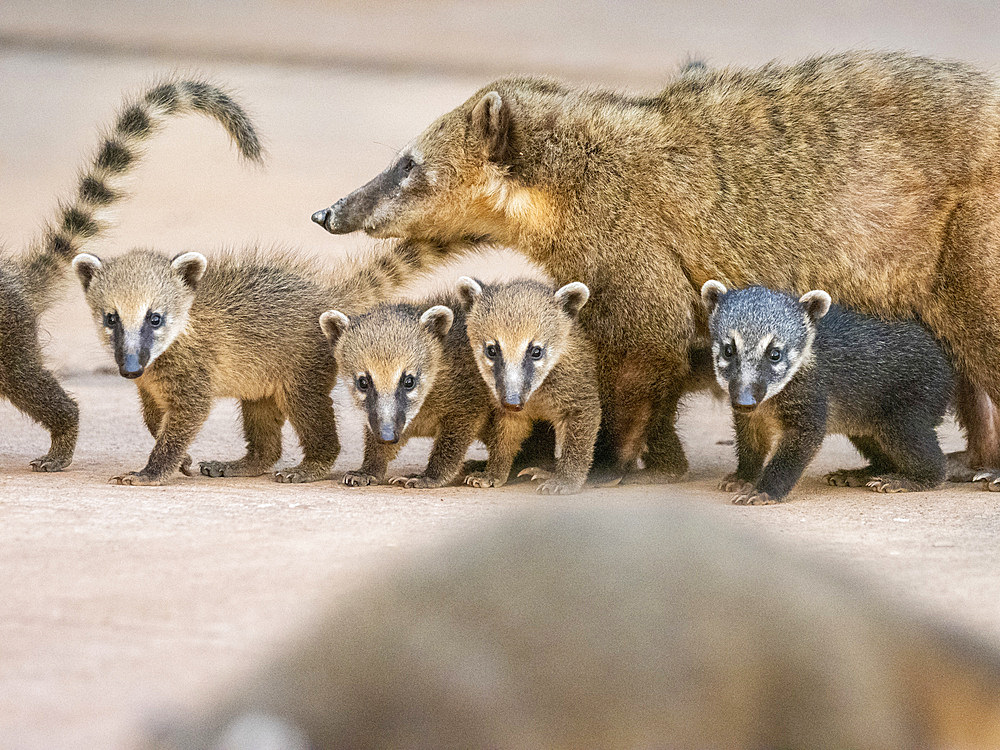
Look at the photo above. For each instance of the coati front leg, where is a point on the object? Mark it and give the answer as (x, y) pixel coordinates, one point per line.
(187, 403)
(310, 410)
(34, 390)
(152, 416)
(577, 435)
(878, 463)
(752, 446)
(445, 462)
(505, 434)
(798, 445)
(664, 457)
(262, 423)
(375, 463)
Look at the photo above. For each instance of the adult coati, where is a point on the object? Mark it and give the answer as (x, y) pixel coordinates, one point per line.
(871, 175)
(28, 283)
(798, 369)
(633, 626)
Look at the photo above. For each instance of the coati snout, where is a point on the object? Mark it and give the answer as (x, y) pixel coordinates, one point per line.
(760, 339)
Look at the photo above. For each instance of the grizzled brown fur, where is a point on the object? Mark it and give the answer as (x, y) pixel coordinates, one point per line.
(625, 627)
(871, 175)
(29, 282)
(243, 326)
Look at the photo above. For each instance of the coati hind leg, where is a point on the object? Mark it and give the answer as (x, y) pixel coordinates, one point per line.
(878, 463)
(664, 460)
(917, 460)
(35, 391)
(262, 423)
(310, 410)
(979, 417)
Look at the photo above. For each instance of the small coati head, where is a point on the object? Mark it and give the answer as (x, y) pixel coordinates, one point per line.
(392, 354)
(455, 180)
(518, 331)
(140, 301)
(760, 338)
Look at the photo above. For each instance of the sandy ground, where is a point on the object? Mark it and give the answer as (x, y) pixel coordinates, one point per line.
(115, 599)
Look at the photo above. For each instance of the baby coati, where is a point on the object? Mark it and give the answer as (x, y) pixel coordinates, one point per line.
(242, 325)
(637, 626)
(415, 375)
(797, 369)
(539, 366)
(29, 282)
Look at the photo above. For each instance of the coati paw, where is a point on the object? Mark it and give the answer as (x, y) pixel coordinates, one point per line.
(416, 482)
(185, 466)
(733, 483)
(359, 479)
(558, 487)
(231, 469)
(849, 477)
(754, 498)
(990, 479)
(136, 479)
(535, 474)
(299, 475)
(482, 480)
(49, 463)
(894, 483)
(957, 468)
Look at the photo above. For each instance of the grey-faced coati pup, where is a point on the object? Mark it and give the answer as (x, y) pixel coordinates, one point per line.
(28, 283)
(798, 369)
(242, 325)
(539, 366)
(636, 626)
(413, 375)
(747, 176)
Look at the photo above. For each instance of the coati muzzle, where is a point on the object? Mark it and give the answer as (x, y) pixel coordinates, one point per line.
(351, 212)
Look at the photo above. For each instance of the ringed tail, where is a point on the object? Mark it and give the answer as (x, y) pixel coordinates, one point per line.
(101, 183)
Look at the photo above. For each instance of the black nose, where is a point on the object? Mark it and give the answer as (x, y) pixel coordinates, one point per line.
(387, 434)
(131, 368)
(745, 401)
(513, 402)
(322, 218)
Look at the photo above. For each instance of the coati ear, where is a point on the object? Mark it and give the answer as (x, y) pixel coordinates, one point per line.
(469, 290)
(572, 297)
(437, 320)
(817, 303)
(491, 119)
(86, 267)
(711, 293)
(190, 267)
(334, 323)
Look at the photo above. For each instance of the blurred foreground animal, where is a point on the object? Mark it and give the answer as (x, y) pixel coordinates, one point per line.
(29, 283)
(638, 626)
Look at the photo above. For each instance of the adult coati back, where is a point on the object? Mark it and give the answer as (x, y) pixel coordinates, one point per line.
(636, 626)
(29, 282)
(243, 325)
(798, 369)
(871, 175)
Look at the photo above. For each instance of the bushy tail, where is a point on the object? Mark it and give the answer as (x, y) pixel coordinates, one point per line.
(101, 184)
(371, 279)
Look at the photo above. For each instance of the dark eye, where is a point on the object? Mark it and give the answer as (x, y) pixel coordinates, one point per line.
(728, 351)
(775, 355)
(363, 383)
(409, 382)
(536, 352)
(156, 320)
(110, 319)
(491, 350)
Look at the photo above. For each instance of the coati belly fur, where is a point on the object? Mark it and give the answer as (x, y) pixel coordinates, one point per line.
(637, 626)
(28, 283)
(796, 370)
(437, 370)
(243, 326)
(872, 175)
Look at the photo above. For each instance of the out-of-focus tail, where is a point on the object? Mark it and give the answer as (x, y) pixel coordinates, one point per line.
(101, 183)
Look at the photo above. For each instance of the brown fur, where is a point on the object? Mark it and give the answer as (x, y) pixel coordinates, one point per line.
(240, 326)
(28, 283)
(638, 626)
(559, 388)
(871, 175)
